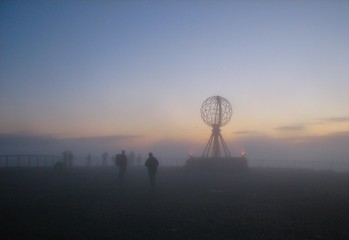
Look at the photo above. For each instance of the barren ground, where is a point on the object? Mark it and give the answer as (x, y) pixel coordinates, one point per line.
(90, 203)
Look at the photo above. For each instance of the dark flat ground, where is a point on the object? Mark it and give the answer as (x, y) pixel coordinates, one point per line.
(85, 203)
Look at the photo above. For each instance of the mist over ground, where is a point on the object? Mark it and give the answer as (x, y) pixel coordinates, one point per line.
(328, 148)
(91, 203)
(105, 76)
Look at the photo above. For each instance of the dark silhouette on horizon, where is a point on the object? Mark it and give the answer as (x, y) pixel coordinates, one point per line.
(121, 162)
(59, 165)
(67, 158)
(131, 158)
(152, 164)
(104, 159)
(139, 158)
(88, 160)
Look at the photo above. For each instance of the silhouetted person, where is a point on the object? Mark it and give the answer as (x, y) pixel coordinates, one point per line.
(139, 158)
(121, 162)
(70, 158)
(67, 159)
(59, 166)
(152, 164)
(88, 160)
(64, 159)
(104, 159)
(131, 158)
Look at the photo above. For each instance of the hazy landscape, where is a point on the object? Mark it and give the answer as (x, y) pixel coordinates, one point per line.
(90, 203)
(266, 81)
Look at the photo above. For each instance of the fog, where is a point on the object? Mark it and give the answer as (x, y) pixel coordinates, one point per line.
(90, 203)
(328, 148)
(332, 147)
(181, 202)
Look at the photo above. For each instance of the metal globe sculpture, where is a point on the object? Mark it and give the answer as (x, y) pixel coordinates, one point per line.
(216, 112)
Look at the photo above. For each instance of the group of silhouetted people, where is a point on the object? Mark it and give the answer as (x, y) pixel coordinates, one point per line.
(151, 163)
(121, 162)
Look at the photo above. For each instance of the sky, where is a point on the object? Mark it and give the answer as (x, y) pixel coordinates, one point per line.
(112, 75)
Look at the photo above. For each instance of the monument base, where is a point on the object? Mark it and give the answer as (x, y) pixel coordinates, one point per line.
(233, 164)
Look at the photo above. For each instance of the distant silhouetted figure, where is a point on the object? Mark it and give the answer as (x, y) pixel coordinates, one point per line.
(104, 159)
(121, 162)
(64, 159)
(152, 164)
(67, 159)
(88, 160)
(131, 158)
(59, 166)
(70, 158)
(139, 158)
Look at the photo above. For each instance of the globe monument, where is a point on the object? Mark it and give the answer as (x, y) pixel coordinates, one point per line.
(216, 112)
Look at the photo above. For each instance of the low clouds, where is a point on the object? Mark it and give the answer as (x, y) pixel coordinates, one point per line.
(25, 139)
(304, 126)
(36, 144)
(291, 128)
(26, 143)
(331, 147)
(170, 152)
(246, 132)
(102, 140)
(335, 119)
(344, 133)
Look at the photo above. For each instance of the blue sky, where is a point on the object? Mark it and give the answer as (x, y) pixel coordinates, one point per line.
(143, 68)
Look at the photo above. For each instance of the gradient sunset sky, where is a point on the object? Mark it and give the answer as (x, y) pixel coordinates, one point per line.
(140, 70)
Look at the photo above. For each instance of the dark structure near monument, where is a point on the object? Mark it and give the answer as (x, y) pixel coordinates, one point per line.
(216, 112)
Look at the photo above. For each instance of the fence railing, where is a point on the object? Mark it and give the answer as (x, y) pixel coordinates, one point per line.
(28, 160)
(42, 160)
(339, 166)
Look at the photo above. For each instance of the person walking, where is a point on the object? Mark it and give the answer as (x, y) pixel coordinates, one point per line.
(104, 159)
(152, 164)
(88, 160)
(121, 162)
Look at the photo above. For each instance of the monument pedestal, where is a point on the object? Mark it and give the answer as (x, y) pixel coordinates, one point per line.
(231, 164)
